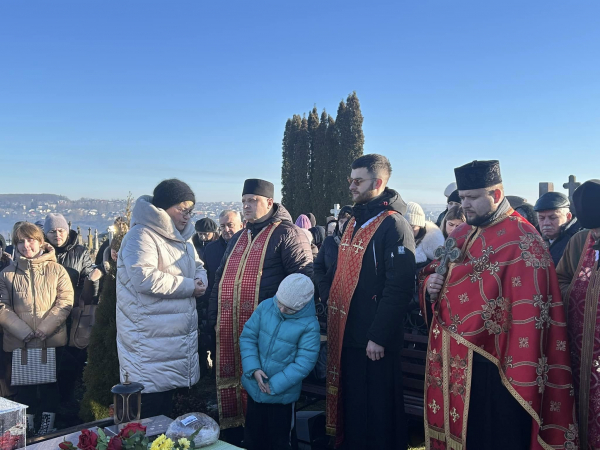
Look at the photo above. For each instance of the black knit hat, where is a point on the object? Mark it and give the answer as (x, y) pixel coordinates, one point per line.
(172, 192)
(478, 175)
(454, 197)
(259, 187)
(347, 209)
(586, 199)
(206, 225)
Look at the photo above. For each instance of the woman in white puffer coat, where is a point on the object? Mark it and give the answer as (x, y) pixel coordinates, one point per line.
(158, 277)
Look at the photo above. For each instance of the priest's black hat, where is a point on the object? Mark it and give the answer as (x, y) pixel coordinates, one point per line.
(477, 175)
(586, 199)
(552, 200)
(258, 187)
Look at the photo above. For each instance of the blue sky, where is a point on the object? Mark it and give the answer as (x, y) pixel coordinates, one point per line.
(98, 98)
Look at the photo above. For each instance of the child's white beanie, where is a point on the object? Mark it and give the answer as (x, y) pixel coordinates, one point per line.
(295, 291)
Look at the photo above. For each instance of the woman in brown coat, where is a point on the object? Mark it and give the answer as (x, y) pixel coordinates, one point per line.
(36, 297)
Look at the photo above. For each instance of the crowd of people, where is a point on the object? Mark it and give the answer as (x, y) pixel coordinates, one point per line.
(509, 292)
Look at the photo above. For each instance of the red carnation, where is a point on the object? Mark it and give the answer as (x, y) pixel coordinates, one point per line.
(132, 428)
(66, 445)
(87, 440)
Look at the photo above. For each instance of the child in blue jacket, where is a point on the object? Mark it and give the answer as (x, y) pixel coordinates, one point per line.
(279, 345)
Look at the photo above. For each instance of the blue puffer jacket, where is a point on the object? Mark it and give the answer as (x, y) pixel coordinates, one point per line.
(284, 346)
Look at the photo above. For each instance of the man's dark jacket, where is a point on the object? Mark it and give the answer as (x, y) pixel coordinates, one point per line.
(200, 246)
(324, 266)
(567, 231)
(387, 278)
(78, 262)
(288, 251)
(213, 254)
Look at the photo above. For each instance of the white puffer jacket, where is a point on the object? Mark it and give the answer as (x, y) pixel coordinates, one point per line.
(433, 239)
(157, 323)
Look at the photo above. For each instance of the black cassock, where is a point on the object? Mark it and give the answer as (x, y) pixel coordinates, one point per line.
(496, 420)
(374, 415)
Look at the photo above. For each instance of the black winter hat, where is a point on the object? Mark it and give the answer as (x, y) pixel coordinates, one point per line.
(478, 175)
(552, 200)
(172, 192)
(206, 225)
(454, 197)
(260, 187)
(586, 199)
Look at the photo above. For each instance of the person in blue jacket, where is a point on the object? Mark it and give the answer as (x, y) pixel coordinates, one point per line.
(279, 346)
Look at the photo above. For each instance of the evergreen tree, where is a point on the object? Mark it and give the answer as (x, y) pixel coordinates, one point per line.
(331, 146)
(314, 165)
(102, 370)
(301, 168)
(287, 164)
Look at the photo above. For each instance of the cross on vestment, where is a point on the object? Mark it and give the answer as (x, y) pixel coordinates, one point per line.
(333, 308)
(336, 210)
(358, 246)
(334, 372)
(571, 186)
(345, 244)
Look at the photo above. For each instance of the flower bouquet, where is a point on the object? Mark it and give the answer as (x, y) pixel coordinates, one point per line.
(10, 441)
(132, 437)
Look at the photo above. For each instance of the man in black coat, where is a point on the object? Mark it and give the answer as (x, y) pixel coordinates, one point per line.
(556, 222)
(371, 378)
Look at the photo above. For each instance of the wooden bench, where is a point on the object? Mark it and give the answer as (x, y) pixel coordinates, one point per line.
(413, 356)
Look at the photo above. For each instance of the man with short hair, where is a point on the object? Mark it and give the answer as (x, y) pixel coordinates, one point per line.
(497, 373)
(371, 289)
(579, 278)
(230, 222)
(256, 260)
(556, 223)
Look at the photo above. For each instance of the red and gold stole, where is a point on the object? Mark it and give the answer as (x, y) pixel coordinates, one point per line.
(583, 320)
(238, 298)
(350, 259)
(501, 299)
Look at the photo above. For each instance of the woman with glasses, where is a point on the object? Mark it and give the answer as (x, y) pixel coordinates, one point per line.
(159, 276)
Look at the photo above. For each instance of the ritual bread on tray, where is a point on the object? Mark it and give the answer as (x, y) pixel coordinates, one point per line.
(185, 426)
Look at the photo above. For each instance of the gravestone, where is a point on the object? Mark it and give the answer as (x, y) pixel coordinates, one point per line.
(571, 186)
(546, 187)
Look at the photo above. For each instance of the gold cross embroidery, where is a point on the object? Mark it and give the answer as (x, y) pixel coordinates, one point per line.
(333, 309)
(436, 331)
(334, 372)
(454, 415)
(434, 406)
(358, 246)
(345, 244)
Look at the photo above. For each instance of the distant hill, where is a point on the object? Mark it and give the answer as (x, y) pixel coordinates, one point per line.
(27, 198)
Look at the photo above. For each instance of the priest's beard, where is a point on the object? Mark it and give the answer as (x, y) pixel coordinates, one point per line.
(480, 220)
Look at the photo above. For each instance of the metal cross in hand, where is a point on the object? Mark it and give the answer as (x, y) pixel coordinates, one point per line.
(446, 254)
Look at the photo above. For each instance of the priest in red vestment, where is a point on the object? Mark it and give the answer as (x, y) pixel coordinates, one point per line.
(498, 372)
(579, 278)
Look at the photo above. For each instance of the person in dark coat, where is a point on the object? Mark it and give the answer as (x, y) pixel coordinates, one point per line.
(206, 232)
(230, 222)
(447, 192)
(556, 222)
(370, 381)
(76, 259)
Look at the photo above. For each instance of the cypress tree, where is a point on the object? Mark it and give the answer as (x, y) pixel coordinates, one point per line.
(314, 178)
(301, 168)
(287, 162)
(102, 370)
(331, 145)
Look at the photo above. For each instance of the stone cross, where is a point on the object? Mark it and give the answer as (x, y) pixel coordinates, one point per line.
(336, 210)
(546, 187)
(446, 254)
(571, 186)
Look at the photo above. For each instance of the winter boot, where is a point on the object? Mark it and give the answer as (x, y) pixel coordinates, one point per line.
(47, 423)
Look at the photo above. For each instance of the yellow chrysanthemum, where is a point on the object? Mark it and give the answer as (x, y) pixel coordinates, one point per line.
(184, 443)
(157, 443)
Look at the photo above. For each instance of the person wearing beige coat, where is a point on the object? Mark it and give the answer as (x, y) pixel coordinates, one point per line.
(36, 297)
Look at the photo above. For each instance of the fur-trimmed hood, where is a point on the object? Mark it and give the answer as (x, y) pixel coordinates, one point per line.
(433, 239)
